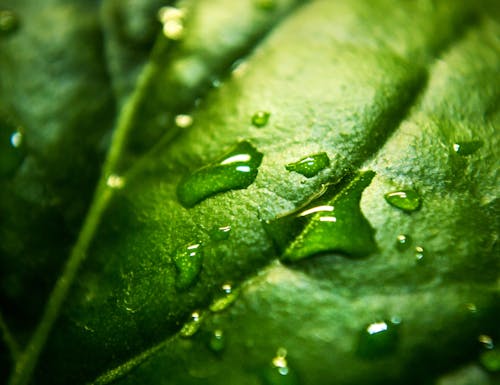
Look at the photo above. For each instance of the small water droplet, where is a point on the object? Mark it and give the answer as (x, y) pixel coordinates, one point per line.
(217, 341)
(490, 360)
(173, 22)
(183, 121)
(332, 223)
(191, 327)
(378, 339)
(471, 307)
(310, 165)
(229, 295)
(419, 254)
(12, 147)
(235, 170)
(188, 261)
(406, 200)
(279, 372)
(260, 118)
(403, 242)
(486, 341)
(220, 233)
(467, 148)
(9, 21)
(115, 181)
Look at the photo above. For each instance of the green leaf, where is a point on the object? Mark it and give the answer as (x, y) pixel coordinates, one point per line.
(153, 294)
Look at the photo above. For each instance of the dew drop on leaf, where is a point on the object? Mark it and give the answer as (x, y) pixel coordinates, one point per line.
(279, 371)
(9, 21)
(191, 327)
(227, 297)
(217, 341)
(260, 118)
(12, 148)
(467, 148)
(221, 233)
(403, 242)
(406, 200)
(115, 181)
(486, 341)
(235, 170)
(310, 165)
(419, 254)
(183, 121)
(173, 22)
(332, 223)
(379, 339)
(188, 261)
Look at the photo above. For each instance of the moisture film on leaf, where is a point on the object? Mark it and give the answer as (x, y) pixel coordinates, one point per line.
(249, 192)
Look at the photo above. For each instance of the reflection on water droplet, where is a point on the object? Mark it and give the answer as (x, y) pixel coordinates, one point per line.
(403, 242)
(379, 339)
(235, 170)
(229, 295)
(279, 372)
(115, 181)
(486, 341)
(217, 341)
(9, 21)
(310, 165)
(490, 360)
(183, 121)
(419, 254)
(406, 200)
(12, 147)
(173, 22)
(188, 261)
(467, 148)
(192, 326)
(332, 223)
(260, 118)
(220, 233)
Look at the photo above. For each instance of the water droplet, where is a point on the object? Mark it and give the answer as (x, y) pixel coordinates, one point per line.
(115, 181)
(403, 242)
(419, 254)
(406, 200)
(471, 308)
(173, 22)
(491, 360)
(192, 326)
(486, 341)
(217, 341)
(265, 4)
(229, 295)
(378, 339)
(235, 170)
(183, 121)
(279, 372)
(467, 148)
(12, 148)
(332, 223)
(310, 165)
(220, 233)
(188, 261)
(260, 118)
(9, 21)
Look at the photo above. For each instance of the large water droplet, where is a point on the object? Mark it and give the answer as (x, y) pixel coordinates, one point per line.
(467, 148)
(403, 242)
(12, 147)
(279, 372)
(406, 200)
(331, 223)
(9, 21)
(235, 170)
(188, 261)
(226, 299)
(310, 165)
(260, 118)
(173, 22)
(220, 233)
(191, 327)
(217, 341)
(379, 339)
